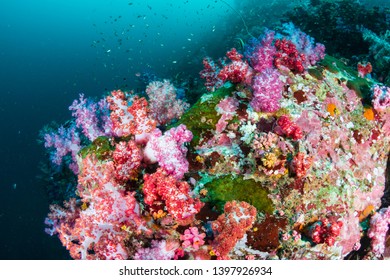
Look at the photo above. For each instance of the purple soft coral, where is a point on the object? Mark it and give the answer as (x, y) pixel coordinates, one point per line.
(65, 141)
(91, 117)
(267, 91)
(262, 57)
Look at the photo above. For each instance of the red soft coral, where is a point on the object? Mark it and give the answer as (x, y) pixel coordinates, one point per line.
(96, 231)
(288, 56)
(288, 128)
(324, 231)
(301, 164)
(160, 187)
(210, 74)
(142, 122)
(120, 117)
(127, 158)
(237, 71)
(127, 120)
(231, 226)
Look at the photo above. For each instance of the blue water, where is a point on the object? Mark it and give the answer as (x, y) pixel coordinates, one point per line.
(52, 50)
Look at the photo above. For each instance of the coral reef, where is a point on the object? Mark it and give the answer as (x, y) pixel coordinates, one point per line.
(283, 158)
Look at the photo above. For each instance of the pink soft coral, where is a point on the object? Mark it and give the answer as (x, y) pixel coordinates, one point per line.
(267, 91)
(379, 227)
(381, 98)
(169, 150)
(262, 57)
(350, 233)
(164, 105)
(227, 108)
(97, 231)
(90, 117)
(192, 239)
(159, 250)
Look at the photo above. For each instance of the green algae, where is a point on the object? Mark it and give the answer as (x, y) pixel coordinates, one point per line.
(228, 188)
(334, 65)
(100, 147)
(316, 73)
(202, 116)
(361, 86)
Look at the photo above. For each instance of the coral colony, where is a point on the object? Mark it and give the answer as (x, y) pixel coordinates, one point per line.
(284, 157)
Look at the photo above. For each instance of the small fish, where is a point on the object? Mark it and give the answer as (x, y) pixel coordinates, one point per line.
(174, 61)
(108, 51)
(14, 186)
